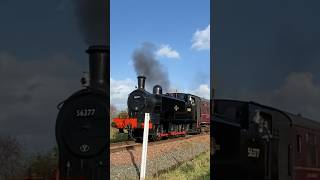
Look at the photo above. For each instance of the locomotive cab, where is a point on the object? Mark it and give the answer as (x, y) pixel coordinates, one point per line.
(258, 141)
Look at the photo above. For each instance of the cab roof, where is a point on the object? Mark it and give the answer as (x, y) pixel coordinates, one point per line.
(295, 119)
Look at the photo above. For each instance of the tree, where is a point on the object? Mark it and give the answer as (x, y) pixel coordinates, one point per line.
(43, 164)
(113, 111)
(123, 114)
(11, 157)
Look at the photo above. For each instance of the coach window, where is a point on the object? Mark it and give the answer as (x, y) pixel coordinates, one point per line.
(299, 146)
(311, 143)
(268, 118)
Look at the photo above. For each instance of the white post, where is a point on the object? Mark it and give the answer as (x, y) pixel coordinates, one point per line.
(144, 147)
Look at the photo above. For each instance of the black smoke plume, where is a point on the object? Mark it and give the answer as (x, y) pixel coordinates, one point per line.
(146, 64)
(92, 20)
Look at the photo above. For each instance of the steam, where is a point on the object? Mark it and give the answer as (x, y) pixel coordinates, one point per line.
(146, 64)
(92, 20)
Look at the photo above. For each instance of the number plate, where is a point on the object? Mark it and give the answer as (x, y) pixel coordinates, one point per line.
(85, 112)
(253, 152)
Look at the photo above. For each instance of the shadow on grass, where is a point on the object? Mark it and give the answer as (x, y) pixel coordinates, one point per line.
(187, 168)
(134, 163)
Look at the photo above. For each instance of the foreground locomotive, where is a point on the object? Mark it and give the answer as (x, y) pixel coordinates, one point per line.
(256, 142)
(82, 126)
(171, 114)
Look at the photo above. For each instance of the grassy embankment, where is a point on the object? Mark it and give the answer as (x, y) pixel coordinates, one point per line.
(115, 136)
(196, 169)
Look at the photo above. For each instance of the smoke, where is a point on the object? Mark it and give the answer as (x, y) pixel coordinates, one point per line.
(146, 64)
(92, 20)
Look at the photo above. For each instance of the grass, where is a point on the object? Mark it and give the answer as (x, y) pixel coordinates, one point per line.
(115, 136)
(197, 169)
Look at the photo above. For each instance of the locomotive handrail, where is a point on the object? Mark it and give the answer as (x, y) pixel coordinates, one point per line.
(60, 105)
(290, 160)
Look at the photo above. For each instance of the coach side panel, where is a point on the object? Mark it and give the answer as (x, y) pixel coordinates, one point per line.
(306, 153)
(204, 112)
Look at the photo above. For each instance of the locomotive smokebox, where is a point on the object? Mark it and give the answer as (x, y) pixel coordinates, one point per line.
(141, 82)
(98, 66)
(157, 89)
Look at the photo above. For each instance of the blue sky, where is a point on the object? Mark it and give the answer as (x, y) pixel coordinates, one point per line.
(166, 23)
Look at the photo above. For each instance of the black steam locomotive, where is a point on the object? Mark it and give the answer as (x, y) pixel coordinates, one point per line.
(255, 141)
(82, 127)
(171, 114)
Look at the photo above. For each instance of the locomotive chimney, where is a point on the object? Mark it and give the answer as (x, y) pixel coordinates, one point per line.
(98, 66)
(141, 82)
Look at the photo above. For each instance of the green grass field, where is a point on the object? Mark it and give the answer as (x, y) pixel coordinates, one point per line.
(197, 169)
(115, 136)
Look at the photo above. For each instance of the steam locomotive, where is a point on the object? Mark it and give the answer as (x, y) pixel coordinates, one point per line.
(171, 114)
(82, 127)
(255, 141)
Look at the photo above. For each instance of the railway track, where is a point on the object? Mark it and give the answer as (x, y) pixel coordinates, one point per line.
(126, 145)
(115, 147)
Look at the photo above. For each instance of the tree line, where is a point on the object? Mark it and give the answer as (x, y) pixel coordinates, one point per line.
(16, 162)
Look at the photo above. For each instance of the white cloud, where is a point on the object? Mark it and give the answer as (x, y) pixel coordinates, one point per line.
(166, 50)
(202, 91)
(299, 93)
(119, 91)
(201, 39)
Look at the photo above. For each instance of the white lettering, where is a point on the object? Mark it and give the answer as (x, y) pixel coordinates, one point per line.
(85, 112)
(253, 152)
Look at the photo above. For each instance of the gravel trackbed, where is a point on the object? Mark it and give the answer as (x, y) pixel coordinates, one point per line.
(161, 157)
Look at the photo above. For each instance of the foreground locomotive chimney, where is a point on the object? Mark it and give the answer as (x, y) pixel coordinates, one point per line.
(98, 66)
(141, 82)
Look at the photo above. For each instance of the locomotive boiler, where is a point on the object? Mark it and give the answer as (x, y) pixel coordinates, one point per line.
(82, 127)
(171, 114)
